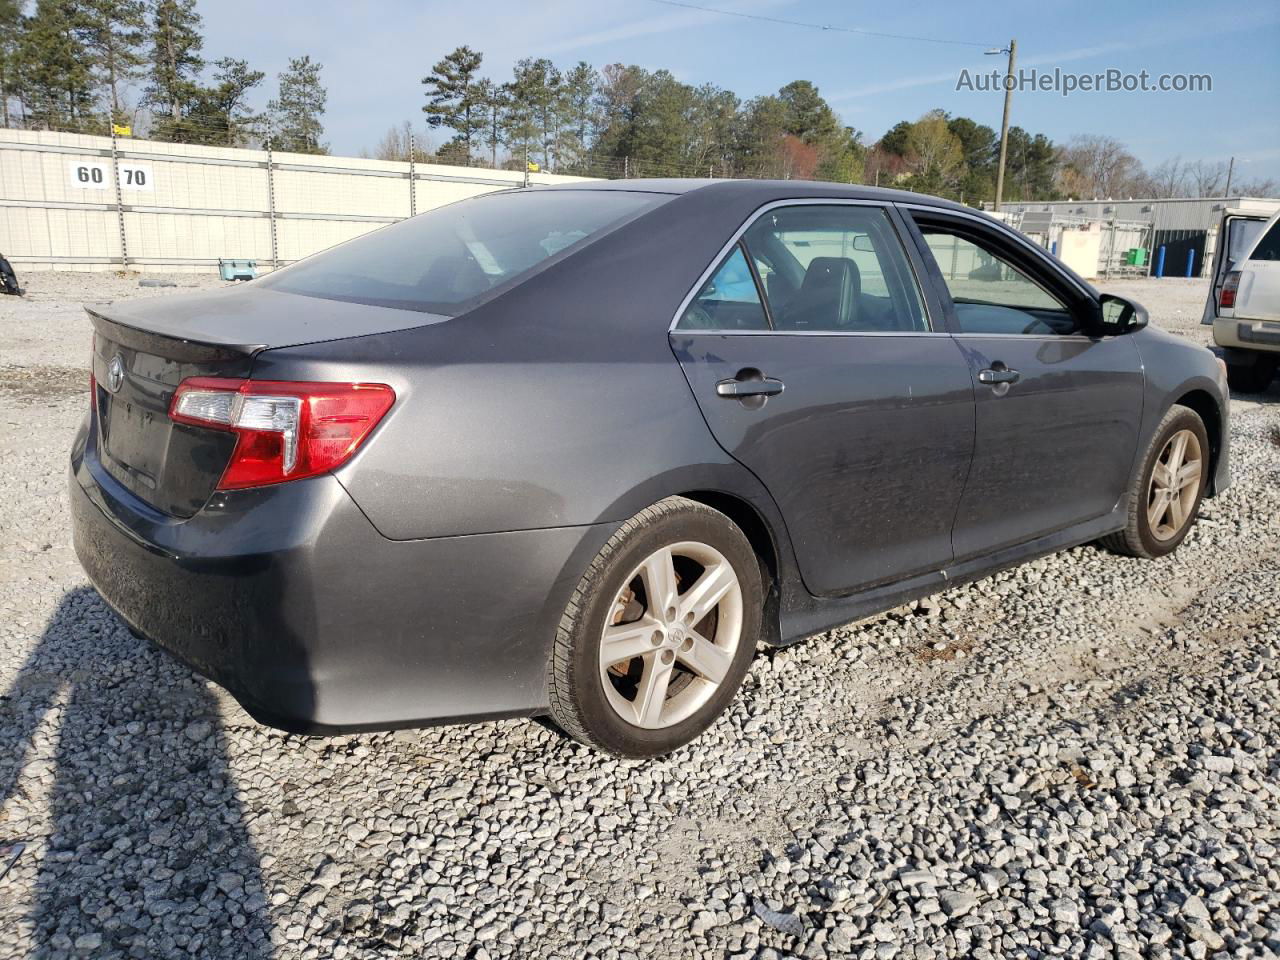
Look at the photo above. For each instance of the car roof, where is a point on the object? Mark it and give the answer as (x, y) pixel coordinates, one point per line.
(765, 190)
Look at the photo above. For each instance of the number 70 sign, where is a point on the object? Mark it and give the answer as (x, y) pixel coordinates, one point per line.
(96, 175)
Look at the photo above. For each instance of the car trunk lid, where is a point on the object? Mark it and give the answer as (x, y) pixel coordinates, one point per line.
(144, 349)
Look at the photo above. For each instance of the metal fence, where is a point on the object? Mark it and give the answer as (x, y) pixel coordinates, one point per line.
(1118, 241)
(80, 202)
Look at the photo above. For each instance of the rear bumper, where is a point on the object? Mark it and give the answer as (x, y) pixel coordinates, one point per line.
(1251, 335)
(291, 600)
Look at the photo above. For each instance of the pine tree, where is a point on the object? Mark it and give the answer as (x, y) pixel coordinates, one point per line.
(54, 68)
(295, 113)
(535, 91)
(12, 24)
(220, 114)
(491, 100)
(175, 65)
(454, 96)
(577, 116)
(113, 31)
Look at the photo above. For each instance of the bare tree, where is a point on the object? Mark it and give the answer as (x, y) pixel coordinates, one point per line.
(395, 144)
(1169, 179)
(1257, 188)
(1206, 177)
(1098, 166)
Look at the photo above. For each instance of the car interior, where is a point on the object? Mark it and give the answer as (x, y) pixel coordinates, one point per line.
(820, 293)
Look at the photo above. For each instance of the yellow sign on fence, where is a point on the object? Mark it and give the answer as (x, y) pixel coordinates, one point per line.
(121, 131)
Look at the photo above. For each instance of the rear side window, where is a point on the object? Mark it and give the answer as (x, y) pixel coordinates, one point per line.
(836, 268)
(728, 301)
(446, 259)
(1241, 233)
(1268, 247)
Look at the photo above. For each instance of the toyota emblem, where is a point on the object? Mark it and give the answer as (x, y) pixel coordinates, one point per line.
(115, 374)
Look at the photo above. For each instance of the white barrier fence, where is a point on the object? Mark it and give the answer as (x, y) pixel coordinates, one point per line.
(182, 207)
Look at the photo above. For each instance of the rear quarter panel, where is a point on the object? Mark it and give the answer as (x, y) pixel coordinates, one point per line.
(559, 403)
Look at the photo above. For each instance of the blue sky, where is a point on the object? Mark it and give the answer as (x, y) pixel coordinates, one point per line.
(375, 54)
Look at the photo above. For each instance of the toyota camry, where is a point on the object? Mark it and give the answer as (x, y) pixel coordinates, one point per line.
(576, 451)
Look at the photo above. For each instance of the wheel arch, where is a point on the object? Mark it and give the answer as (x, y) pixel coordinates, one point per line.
(1206, 407)
(760, 534)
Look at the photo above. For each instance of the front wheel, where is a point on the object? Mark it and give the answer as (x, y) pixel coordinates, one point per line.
(659, 633)
(1165, 496)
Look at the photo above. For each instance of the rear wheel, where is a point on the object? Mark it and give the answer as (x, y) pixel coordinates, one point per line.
(1165, 497)
(1251, 378)
(659, 633)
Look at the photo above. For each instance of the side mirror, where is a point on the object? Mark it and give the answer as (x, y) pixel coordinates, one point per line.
(1118, 315)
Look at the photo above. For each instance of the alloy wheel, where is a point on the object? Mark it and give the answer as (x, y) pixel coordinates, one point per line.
(1175, 485)
(671, 635)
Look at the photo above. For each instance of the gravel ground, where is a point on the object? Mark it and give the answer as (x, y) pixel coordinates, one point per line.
(1077, 758)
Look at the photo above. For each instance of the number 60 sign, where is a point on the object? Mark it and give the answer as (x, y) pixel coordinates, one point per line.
(96, 175)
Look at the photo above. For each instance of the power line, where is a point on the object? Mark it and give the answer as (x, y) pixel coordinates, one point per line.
(826, 27)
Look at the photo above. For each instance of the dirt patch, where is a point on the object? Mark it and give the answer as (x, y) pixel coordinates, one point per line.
(955, 649)
(41, 384)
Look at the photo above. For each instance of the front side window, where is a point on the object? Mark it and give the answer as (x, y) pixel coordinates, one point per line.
(990, 294)
(836, 268)
(445, 259)
(728, 301)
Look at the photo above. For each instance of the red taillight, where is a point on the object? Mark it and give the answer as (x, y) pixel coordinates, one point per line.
(1227, 299)
(285, 430)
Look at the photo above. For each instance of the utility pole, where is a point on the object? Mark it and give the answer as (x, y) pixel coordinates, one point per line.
(1230, 169)
(1004, 123)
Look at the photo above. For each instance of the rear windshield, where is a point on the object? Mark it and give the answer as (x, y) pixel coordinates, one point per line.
(444, 260)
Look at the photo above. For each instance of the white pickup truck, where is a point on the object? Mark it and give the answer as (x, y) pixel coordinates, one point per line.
(1244, 301)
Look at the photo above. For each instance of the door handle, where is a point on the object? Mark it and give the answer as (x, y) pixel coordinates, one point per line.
(746, 387)
(998, 374)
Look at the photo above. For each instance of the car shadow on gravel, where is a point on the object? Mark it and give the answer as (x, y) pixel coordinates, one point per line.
(146, 853)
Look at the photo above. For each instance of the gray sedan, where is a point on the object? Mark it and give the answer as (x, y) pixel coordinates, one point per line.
(576, 451)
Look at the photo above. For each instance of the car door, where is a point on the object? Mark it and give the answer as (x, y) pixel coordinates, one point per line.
(1236, 236)
(1258, 289)
(825, 378)
(1058, 407)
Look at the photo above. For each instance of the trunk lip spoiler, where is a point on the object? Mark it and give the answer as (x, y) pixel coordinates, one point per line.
(167, 345)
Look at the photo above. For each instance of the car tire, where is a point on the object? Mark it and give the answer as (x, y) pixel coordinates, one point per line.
(1251, 378)
(1164, 498)
(667, 667)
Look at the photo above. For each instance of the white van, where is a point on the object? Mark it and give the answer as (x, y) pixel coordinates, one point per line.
(1244, 300)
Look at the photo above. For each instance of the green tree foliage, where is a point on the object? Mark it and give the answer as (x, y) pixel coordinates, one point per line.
(175, 62)
(536, 109)
(981, 148)
(114, 34)
(454, 96)
(296, 111)
(935, 155)
(54, 69)
(492, 101)
(12, 26)
(577, 115)
(895, 139)
(220, 114)
(1031, 166)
